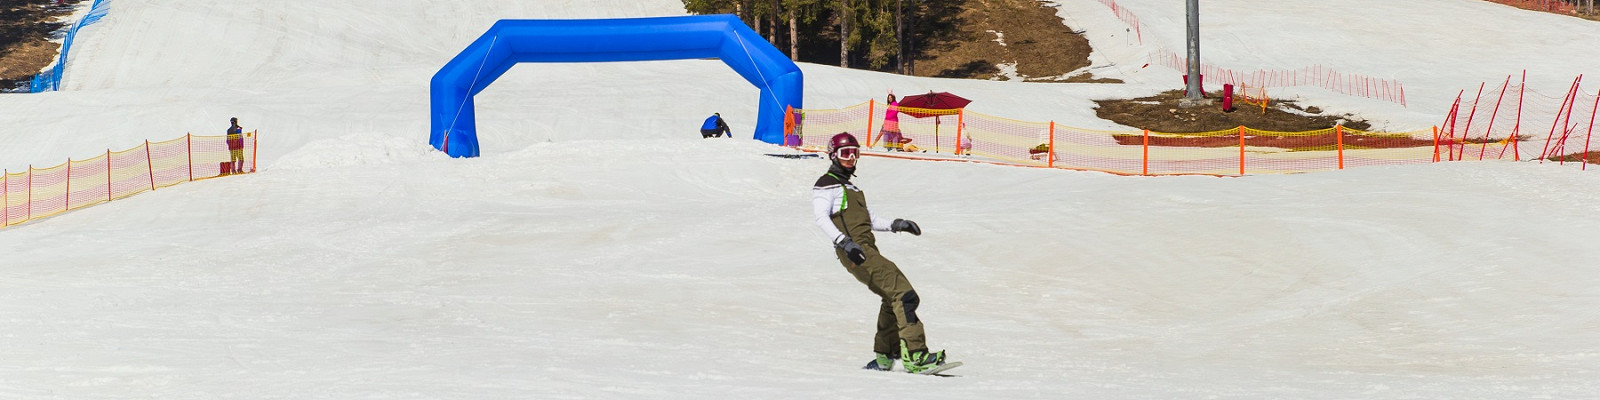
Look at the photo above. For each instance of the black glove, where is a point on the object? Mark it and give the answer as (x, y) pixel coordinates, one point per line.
(851, 249)
(905, 225)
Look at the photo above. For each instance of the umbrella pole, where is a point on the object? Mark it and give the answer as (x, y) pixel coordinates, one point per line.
(936, 134)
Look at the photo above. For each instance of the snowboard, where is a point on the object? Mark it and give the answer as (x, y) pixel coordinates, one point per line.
(939, 370)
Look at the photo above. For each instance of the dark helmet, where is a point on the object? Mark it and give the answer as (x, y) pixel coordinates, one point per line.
(842, 140)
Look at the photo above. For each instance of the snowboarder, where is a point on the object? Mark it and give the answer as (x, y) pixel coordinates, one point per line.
(841, 213)
(714, 127)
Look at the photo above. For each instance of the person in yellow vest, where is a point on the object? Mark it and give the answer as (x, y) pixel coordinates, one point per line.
(236, 145)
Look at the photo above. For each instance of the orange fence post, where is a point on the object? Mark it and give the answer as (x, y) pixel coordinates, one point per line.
(1146, 160)
(961, 122)
(69, 186)
(1052, 155)
(1565, 123)
(1436, 144)
(1565, 102)
(30, 192)
(1338, 130)
(1516, 153)
(1470, 114)
(871, 109)
(108, 174)
(1590, 134)
(1264, 100)
(255, 147)
(188, 147)
(1522, 89)
(1241, 149)
(5, 198)
(150, 167)
(1492, 116)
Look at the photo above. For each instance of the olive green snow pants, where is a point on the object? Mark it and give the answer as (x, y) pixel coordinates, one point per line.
(897, 316)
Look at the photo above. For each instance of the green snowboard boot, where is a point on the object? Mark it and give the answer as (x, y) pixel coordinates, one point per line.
(882, 363)
(916, 361)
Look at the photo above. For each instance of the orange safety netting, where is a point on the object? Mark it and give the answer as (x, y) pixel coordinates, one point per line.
(43, 192)
(1319, 76)
(966, 135)
(1515, 122)
(920, 129)
(820, 125)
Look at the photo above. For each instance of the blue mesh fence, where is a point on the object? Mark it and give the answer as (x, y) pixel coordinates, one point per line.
(50, 80)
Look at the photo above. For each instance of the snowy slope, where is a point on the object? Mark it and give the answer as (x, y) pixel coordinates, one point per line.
(1435, 48)
(599, 249)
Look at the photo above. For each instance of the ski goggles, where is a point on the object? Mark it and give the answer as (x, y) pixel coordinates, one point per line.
(847, 153)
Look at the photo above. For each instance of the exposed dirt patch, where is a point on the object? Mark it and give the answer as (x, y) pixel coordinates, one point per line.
(26, 27)
(1593, 157)
(1303, 143)
(1161, 113)
(1023, 33)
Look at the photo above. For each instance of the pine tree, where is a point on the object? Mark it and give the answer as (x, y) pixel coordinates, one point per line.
(709, 6)
(876, 34)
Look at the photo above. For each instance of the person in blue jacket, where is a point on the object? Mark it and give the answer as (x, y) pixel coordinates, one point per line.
(714, 127)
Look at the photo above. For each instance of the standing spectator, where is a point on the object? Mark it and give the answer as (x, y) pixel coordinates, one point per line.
(791, 127)
(714, 127)
(236, 145)
(840, 209)
(890, 134)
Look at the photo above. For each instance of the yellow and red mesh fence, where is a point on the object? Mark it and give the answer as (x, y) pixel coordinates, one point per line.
(920, 128)
(43, 192)
(966, 135)
(817, 126)
(1004, 139)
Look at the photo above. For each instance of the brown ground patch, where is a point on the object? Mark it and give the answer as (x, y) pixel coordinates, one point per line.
(1593, 157)
(1043, 47)
(25, 30)
(1161, 113)
(1318, 142)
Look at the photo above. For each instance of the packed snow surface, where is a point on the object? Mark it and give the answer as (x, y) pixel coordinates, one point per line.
(601, 249)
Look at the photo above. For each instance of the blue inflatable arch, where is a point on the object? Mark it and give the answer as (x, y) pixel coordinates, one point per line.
(509, 42)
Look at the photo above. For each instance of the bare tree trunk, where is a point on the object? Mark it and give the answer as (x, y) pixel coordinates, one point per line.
(844, 34)
(794, 37)
(900, 37)
(911, 41)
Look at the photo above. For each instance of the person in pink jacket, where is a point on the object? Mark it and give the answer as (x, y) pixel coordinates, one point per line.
(890, 134)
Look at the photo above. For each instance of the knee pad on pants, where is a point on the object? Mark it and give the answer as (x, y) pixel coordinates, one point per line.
(910, 301)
